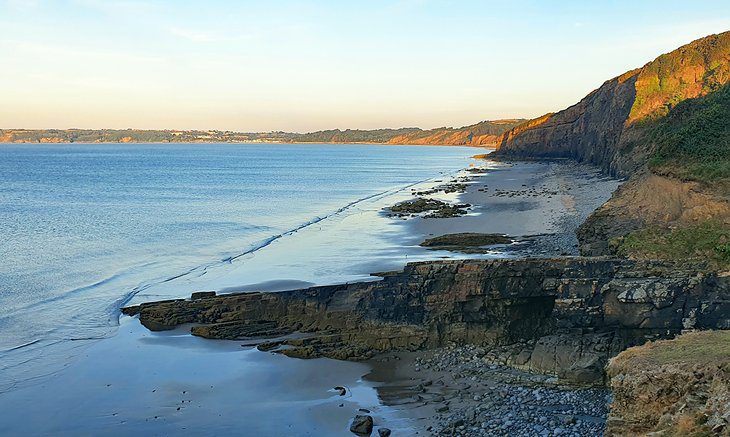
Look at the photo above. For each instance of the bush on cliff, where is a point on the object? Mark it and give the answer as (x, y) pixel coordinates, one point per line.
(709, 240)
(693, 141)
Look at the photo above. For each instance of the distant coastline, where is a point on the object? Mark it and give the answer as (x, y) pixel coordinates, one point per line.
(484, 133)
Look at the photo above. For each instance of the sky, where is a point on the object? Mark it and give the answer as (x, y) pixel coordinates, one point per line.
(309, 65)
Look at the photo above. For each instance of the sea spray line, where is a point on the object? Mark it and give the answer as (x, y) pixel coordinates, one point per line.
(116, 305)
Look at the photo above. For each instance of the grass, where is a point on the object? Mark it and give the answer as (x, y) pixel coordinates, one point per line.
(693, 348)
(709, 240)
(693, 140)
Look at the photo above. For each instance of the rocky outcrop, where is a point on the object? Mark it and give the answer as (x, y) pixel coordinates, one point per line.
(572, 314)
(674, 387)
(467, 242)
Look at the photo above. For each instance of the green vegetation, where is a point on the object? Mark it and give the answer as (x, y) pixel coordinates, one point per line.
(708, 241)
(693, 140)
(353, 135)
(695, 69)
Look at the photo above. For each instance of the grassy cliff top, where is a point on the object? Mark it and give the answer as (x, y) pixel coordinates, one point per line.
(692, 348)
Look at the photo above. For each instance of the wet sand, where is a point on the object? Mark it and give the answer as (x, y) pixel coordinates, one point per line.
(543, 202)
(171, 383)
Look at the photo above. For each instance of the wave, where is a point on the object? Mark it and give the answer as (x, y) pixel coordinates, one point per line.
(111, 312)
(21, 346)
(201, 269)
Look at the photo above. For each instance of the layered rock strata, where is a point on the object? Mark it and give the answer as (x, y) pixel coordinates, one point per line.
(569, 315)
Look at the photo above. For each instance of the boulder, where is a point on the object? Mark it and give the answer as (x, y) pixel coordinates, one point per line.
(362, 425)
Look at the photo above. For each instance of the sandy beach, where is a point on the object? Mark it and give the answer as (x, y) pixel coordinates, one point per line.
(541, 204)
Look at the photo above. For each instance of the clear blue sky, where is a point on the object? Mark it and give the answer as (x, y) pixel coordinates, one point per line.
(307, 65)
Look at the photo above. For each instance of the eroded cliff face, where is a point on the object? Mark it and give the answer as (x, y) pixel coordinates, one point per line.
(613, 128)
(565, 317)
(589, 131)
(649, 200)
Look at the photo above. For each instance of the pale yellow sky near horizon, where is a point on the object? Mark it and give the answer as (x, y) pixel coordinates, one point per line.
(310, 65)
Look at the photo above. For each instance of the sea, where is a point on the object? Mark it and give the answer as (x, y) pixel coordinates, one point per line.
(88, 228)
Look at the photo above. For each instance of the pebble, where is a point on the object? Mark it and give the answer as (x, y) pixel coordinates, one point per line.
(509, 402)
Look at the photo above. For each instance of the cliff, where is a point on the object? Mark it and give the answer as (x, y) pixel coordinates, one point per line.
(666, 127)
(565, 317)
(611, 126)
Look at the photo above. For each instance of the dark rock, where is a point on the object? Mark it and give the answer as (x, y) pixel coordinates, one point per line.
(202, 295)
(466, 242)
(384, 432)
(342, 390)
(568, 315)
(435, 208)
(362, 425)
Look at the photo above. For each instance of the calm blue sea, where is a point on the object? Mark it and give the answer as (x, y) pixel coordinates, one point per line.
(86, 228)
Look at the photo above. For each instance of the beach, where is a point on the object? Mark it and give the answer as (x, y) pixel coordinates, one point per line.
(158, 383)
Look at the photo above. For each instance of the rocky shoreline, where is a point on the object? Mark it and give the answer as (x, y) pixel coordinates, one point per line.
(463, 391)
(564, 318)
(475, 347)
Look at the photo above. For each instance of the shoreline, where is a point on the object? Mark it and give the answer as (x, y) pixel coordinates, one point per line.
(80, 304)
(476, 146)
(412, 232)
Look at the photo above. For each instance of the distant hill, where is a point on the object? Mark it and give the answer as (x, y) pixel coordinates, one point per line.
(352, 135)
(135, 136)
(482, 133)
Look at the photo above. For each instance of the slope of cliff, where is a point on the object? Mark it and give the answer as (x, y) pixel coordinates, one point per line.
(484, 133)
(666, 126)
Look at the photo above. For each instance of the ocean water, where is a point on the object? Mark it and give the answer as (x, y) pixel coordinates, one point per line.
(87, 228)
